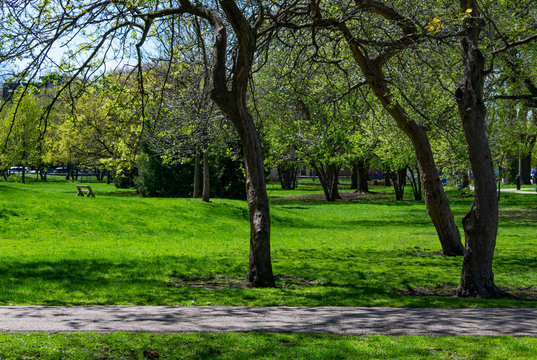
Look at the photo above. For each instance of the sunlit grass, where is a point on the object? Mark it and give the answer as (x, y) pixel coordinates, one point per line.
(260, 346)
(118, 248)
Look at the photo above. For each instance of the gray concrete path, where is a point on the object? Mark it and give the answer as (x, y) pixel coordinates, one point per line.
(521, 191)
(338, 320)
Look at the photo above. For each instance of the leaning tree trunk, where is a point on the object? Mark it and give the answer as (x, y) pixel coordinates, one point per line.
(481, 223)
(372, 69)
(435, 198)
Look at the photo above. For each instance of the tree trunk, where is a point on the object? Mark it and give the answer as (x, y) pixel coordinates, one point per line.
(260, 266)
(399, 182)
(354, 177)
(333, 174)
(416, 185)
(363, 176)
(328, 177)
(481, 223)
(287, 177)
(232, 102)
(196, 190)
(387, 178)
(69, 171)
(435, 199)
(205, 196)
(524, 168)
(23, 179)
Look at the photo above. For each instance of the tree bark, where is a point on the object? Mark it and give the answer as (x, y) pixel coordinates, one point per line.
(399, 182)
(233, 103)
(524, 168)
(205, 196)
(287, 177)
(363, 176)
(481, 223)
(416, 185)
(196, 190)
(354, 177)
(435, 199)
(328, 176)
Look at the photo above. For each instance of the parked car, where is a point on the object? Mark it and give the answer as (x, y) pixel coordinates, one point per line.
(58, 171)
(15, 170)
(18, 170)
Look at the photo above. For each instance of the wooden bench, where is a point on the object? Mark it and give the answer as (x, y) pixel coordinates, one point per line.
(84, 188)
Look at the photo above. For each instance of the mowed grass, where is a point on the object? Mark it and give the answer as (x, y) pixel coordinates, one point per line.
(118, 248)
(259, 346)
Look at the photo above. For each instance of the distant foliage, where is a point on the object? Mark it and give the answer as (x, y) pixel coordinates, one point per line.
(156, 178)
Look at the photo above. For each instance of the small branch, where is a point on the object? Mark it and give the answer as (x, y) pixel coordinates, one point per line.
(515, 43)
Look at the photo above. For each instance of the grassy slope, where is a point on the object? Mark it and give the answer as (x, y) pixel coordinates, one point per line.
(121, 249)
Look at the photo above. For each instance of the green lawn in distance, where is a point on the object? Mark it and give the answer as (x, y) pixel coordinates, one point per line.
(118, 248)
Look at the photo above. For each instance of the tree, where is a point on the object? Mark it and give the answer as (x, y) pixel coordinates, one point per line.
(481, 223)
(372, 55)
(22, 141)
(30, 30)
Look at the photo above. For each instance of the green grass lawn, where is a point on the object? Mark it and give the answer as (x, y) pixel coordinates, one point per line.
(118, 248)
(260, 346)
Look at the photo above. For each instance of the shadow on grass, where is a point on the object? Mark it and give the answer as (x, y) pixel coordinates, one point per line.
(325, 279)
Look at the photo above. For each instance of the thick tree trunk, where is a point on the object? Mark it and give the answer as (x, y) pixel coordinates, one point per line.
(23, 179)
(260, 266)
(196, 190)
(206, 180)
(481, 223)
(233, 103)
(524, 168)
(354, 177)
(363, 176)
(333, 173)
(435, 198)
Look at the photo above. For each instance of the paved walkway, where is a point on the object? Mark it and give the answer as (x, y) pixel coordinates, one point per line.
(521, 191)
(338, 320)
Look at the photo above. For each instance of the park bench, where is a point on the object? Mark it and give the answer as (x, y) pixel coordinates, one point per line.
(84, 188)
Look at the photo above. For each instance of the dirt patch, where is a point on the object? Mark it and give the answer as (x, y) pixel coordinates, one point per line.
(423, 291)
(236, 282)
